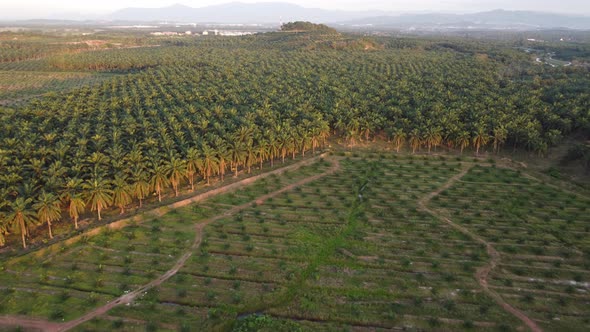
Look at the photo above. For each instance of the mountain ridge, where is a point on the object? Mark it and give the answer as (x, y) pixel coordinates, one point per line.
(275, 13)
(498, 18)
(239, 12)
(278, 12)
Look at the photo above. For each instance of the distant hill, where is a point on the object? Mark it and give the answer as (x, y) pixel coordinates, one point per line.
(279, 12)
(237, 12)
(496, 19)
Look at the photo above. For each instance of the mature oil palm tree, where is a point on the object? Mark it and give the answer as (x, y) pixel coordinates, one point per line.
(99, 194)
(48, 209)
(273, 148)
(3, 220)
(284, 141)
(192, 165)
(352, 132)
(481, 138)
(71, 189)
(399, 137)
(500, 135)
(21, 216)
(432, 137)
(3, 229)
(209, 162)
(122, 192)
(223, 156)
(98, 162)
(323, 132)
(176, 171)
(159, 179)
(244, 134)
(262, 151)
(293, 143)
(76, 206)
(238, 152)
(463, 140)
(250, 156)
(415, 140)
(304, 139)
(140, 185)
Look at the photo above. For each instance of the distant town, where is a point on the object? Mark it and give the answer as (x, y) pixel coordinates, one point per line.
(215, 32)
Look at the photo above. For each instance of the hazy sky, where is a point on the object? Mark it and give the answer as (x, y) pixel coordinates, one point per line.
(41, 8)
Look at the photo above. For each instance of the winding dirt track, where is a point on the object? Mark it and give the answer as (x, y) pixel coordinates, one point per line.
(481, 273)
(43, 325)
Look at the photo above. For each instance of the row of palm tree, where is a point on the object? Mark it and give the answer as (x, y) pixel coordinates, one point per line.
(433, 138)
(146, 177)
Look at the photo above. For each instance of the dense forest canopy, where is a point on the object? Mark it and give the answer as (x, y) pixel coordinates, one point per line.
(307, 27)
(193, 109)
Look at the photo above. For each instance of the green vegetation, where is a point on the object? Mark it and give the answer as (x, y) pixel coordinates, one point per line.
(542, 234)
(300, 26)
(192, 109)
(91, 133)
(351, 249)
(580, 153)
(215, 104)
(19, 87)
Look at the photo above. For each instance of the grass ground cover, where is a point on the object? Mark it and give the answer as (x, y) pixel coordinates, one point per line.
(65, 282)
(542, 234)
(352, 250)
(339, 252)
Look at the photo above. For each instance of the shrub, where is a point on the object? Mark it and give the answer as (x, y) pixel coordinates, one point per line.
(118, 323)
(56, 314)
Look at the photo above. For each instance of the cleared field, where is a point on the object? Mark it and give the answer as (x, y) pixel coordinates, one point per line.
(543, 236)
(17, 87)
(324, 258)
(352, 250)
(65, 282)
